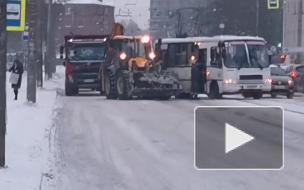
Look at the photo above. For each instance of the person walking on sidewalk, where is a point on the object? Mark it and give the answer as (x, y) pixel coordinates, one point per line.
(16, 76)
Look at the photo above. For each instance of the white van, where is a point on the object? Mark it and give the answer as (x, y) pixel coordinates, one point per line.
(218, 65)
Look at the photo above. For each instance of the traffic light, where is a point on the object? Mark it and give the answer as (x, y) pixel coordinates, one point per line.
(273, 4)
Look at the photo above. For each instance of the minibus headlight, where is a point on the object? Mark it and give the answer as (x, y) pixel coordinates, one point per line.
(229, 81)
(268, 81)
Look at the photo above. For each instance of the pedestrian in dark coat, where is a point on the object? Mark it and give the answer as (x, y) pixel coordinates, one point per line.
(17, 68)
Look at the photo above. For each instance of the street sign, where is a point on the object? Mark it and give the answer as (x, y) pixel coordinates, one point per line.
(273, 4)
(15, 16)
(25, 34)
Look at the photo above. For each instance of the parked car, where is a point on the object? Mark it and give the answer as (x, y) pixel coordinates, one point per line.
(296, 72)
(281, 83)
(299, 79)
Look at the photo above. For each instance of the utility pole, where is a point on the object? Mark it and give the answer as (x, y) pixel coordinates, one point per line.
(300, 31)
(3, 40)
(38, 45)
(300, 23)
(32, 64)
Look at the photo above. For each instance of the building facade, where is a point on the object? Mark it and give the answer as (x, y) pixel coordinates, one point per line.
(169, 17)
(216, 17)
(293, 28)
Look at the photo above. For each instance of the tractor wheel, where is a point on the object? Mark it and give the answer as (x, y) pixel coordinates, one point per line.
(110, 87)
(70, 90)
(124, 87)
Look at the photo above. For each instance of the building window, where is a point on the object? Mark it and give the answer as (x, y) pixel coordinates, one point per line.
(68, 11)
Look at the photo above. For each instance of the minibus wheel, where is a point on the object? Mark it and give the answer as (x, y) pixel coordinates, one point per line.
(257, 95)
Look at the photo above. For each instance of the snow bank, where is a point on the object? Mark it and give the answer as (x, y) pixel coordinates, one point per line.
(28, 137)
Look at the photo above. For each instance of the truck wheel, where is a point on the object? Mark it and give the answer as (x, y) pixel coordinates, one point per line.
(214, 91)
(246, 95)
(183, 95)
(110, 87)
(69, 90)
(273, 95)
(123, 87)
(290, 95)
(167, 97)
(257, 95)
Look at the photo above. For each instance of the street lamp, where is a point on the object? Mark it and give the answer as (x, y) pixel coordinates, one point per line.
(222, 27)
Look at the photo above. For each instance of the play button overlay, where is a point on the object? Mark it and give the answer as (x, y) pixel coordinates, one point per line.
(247, 138)
(235, 138)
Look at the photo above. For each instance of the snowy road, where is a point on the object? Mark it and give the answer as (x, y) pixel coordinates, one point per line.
(143, 145)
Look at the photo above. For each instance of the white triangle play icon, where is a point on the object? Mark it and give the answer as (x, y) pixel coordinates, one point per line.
(235, 138)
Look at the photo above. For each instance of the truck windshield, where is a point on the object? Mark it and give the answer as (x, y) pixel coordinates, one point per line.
(81, 52)
(237, 55)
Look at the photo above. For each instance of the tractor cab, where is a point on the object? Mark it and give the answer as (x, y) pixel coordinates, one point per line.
(130, 69)
(132, 53)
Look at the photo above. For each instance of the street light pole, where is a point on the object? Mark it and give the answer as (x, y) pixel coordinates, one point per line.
(3, 41)
(257, 16)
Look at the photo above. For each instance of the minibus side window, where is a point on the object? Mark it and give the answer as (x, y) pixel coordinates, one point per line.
(215, 57)
(164, 57)
(181, 54)
(202, 59)
(172, 49)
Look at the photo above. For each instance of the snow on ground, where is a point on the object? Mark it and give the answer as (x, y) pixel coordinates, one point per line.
(28, 137)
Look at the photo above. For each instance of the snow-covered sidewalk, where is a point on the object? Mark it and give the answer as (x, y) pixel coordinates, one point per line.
(29, 134)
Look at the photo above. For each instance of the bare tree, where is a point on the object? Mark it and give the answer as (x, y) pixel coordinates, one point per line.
(38, 42)
(32, 65)
(2, 81)
(49, 38)
(131, 27)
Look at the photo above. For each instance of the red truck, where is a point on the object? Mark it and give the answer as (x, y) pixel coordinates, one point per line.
(83, 56)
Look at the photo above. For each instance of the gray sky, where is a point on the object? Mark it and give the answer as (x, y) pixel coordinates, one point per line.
(137, 10)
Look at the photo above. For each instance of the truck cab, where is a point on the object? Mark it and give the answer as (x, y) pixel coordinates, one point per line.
(83, 57)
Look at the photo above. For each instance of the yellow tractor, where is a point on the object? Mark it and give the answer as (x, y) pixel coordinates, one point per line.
(130, 69)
